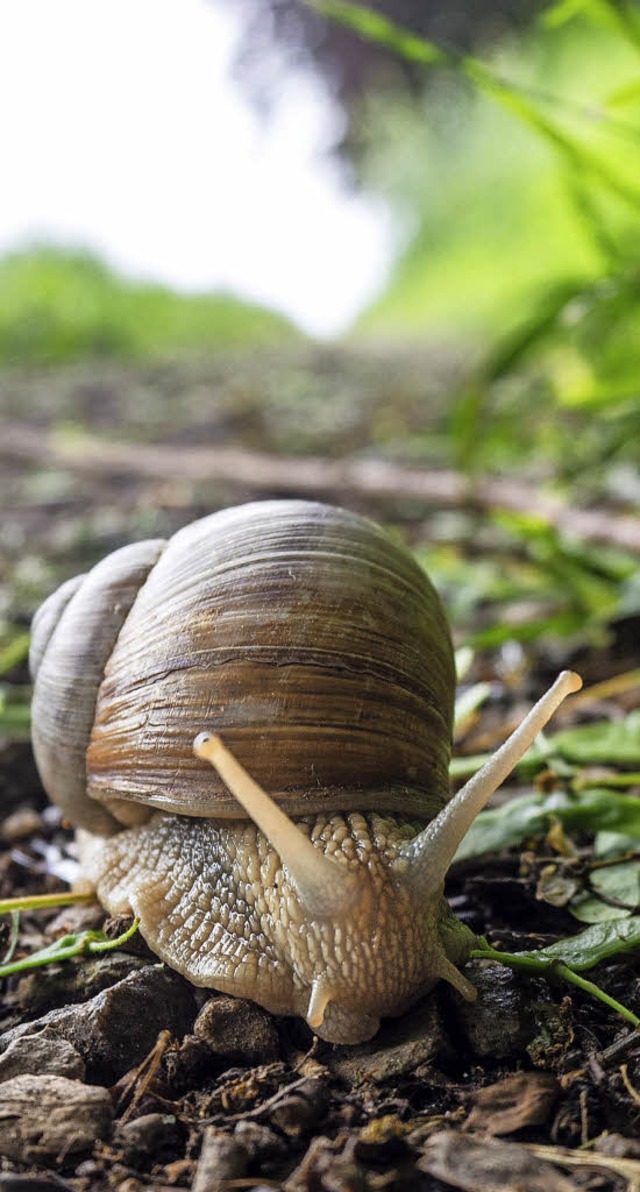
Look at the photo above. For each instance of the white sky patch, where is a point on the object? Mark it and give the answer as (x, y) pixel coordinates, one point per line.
(122, 132)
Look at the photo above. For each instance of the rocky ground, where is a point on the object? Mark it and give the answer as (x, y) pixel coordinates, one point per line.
(115, 1073)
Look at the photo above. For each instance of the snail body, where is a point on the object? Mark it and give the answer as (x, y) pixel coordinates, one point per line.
(305, 869)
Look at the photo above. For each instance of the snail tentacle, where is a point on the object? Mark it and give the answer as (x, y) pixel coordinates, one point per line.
(318, 1002)
(324, 887)
(431, 852)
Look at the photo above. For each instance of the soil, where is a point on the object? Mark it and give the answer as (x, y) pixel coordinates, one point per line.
(116, 1073)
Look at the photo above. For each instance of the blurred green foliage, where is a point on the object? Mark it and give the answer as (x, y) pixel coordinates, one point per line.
(510, 175)
(517, 185)
(59, 305)
(531, 583)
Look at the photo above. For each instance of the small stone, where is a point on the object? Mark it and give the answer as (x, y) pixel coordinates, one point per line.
(234, 1027)
(116, 1029)
(486, 1165)
(76, 981)
(400, 1048)
(300, 1110)
(259, 1141)
(45, 1119)
(89, 1169)
(39, 1055)
(499, 1023)
(617, 1146)
(222, 1158)
(24, 822)
(330, 1164)
(117, 925)
(80, 916)
(154, 1136)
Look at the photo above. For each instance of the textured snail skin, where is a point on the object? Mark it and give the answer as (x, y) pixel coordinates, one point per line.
(216, 904)
(310, 659)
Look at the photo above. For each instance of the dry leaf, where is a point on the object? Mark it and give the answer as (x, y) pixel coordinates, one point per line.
(524, 1099)
(485, 1165)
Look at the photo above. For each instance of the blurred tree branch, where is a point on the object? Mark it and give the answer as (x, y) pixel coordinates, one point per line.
(313, 476)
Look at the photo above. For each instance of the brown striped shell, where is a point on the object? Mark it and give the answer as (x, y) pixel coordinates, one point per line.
(303, 633)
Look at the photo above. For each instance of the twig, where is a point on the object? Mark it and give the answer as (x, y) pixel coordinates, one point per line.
(626, 1080)
(311, 476)
(138, 1080)
(628, 1169)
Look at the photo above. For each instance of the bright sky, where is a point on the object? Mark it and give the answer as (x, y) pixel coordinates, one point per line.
(122, 131)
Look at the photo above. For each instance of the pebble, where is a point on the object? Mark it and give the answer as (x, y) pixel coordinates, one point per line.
(404, 1046)
(222, 1158)
(235, 1027)
(618, 1146)
(76, 981)
(259, 1141)
(301, 1110)
(45, 1119)
(499, 1023)
(24, 822)
(486, 1165)
(116, 1029)
(80, 916)
(39, 1055)
(153, 1136)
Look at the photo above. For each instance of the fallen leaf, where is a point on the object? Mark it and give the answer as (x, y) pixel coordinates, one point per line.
(486, 1165)
(524, 1099)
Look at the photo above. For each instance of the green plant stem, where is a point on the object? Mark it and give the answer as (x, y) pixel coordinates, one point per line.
(543, 967)
(563, 970)
(36, 902)
(66, 948)
(99, 943)
(511, 959)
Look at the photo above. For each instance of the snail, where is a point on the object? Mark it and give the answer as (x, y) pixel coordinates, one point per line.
(249, 725)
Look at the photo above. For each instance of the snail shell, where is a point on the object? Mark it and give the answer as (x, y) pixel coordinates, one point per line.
(307, 636)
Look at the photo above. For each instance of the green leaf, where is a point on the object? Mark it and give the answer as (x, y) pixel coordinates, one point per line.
(379, 30)
(563, 11)
(14, 650)
(613, 13)
(468, 702)
(627, 94)
(620, 883)
(601, 742)
(531, 815)
(567, 958)
(599, 942)
(578, 157)
(609, 844)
